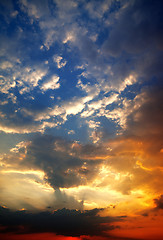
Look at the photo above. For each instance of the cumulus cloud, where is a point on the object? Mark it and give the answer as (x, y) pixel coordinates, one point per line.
(28, 78)
(51, 83)
(65, 108)
(6, 84)
(60, 62)
(6, 65)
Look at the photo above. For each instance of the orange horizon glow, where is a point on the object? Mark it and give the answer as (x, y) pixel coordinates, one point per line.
(36, 236)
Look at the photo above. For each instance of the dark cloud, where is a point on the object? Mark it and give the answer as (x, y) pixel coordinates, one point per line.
(61, 199)
(135, 41)
(139, 27)
(61, 161)
(50, 154)
(64, 221)
(159, 202)
(146, 124)
(148, 118)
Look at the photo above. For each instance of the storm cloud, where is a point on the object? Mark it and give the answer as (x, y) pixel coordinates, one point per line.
(63, 221)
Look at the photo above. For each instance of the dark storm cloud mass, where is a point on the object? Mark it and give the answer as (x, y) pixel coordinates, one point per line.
(65, 222)
(138, 27)
(135, 41)
(51, 155)
(62, 161)
(147, 119)
(159, 202)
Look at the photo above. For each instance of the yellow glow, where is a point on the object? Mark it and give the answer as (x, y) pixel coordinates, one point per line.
(43, 186)
(96, 157)
(141, 166)
(27, 189)
(93, 196)
(148, 169)
(39, 173)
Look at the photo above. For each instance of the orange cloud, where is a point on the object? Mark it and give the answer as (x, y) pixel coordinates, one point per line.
(142, 227)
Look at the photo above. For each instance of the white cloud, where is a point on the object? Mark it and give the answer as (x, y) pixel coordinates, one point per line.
(27, 78)
(80, 67)
(60, 62)
(99, 105)
(71, 132)
(6, 84)
(96, 136)
(119, 115)
(52, 83)
(64, 109)
(3, 102)
(33, 127)
(93, 124)
(19, 146)
(5, 65)
(89, 88)
(12, 97)
(130, 80)
(70, 36)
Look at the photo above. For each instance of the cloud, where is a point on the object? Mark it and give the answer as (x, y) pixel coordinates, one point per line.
(159, 202)
(28, 79)
(63, 221)
(6, 84)
(147, 118)
(6, 65)
(24, 78)
(100, 105)
(135, 31)
(31, 7)
(64, 163)
(117, 89)
(61, 199)
(64, 109)
(117, 168)
(59, 61)
(56, 158)
(97, 10)
(71, 132)
(51, 83)
(101, 76)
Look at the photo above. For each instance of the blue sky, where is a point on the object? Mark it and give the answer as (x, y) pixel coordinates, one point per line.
(57, 73)
(81, 104)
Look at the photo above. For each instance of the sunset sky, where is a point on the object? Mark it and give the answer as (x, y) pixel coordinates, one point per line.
(81, 119)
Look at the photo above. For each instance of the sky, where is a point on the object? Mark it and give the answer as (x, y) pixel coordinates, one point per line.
(81, 113)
